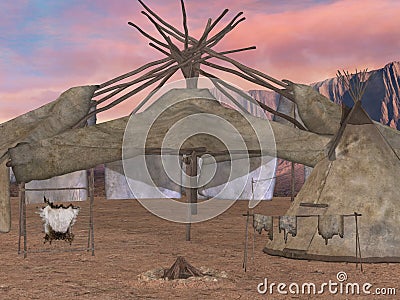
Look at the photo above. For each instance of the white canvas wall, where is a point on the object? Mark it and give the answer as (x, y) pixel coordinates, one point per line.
(264, 189)
(241, 188)
(116, 184)
(71, 180)
(139, 187)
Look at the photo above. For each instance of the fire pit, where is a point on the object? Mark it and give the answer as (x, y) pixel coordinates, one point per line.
(182, 271)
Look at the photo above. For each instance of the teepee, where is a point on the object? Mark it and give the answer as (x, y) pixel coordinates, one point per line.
(358, 175)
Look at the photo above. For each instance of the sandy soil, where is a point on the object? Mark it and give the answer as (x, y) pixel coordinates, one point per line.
(129, 241)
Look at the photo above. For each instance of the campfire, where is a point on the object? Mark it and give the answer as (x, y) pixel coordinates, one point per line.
(181, 269)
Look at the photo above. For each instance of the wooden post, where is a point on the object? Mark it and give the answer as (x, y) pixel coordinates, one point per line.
(188, 228)
(193, 183)
(22, 219)
(91, 202)
(5, 205)
(191, 190)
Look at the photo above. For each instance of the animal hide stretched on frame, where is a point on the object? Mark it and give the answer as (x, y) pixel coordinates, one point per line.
(58, 221)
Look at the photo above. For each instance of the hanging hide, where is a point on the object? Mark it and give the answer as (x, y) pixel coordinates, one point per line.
(289, 225)
(330, 225)
(58, 221)
(261, 222)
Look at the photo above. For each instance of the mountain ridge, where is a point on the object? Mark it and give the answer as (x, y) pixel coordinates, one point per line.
(381, 101)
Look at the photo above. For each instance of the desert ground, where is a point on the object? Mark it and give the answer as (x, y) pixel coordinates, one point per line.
(130, 241)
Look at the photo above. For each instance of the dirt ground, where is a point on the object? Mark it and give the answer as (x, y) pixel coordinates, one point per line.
(130, 240)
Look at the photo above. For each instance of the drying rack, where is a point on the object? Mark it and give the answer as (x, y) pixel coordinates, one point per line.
(22, 218)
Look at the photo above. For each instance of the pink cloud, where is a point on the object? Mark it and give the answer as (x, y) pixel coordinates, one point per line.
(312, 43)
(28, 99)
(9, 10)
(301, 42)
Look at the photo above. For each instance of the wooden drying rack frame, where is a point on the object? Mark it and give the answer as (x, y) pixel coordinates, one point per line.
(355, 215)
(22, 233)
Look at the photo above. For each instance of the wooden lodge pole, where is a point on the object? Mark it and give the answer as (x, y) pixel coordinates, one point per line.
(191, 189)
(5, 204)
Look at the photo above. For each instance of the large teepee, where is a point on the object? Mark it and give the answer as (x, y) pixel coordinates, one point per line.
(357, 175)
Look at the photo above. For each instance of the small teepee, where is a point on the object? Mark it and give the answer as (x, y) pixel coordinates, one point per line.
(358, 174)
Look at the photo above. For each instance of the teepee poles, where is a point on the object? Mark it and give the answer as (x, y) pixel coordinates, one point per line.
(356, 85)
(189, 58)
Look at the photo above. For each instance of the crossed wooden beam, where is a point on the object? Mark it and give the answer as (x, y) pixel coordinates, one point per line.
(189, 58)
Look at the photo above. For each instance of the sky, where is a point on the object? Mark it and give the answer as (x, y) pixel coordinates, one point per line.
(48, 46)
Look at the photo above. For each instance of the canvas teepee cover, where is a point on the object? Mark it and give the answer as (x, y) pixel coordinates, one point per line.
(360, 179)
